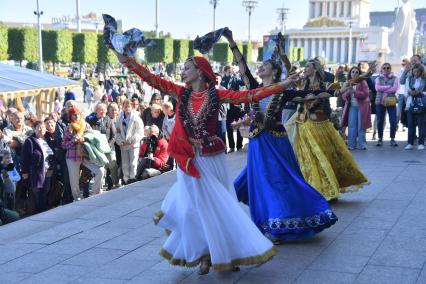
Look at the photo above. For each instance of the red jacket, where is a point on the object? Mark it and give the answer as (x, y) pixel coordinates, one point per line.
(161, 156)
(181, 148)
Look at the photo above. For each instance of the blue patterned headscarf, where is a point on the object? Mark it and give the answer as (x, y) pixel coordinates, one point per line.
(126, 43)
(205, 43)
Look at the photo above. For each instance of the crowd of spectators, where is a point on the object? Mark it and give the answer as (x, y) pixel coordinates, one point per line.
(121, 139)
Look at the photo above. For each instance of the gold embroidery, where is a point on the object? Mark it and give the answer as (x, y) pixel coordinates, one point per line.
(251, 260)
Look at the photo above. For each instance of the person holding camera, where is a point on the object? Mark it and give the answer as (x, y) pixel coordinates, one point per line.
(37, 165)
(153, 155)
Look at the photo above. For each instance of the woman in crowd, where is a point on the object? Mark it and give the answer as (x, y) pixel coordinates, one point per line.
(129, 136)
(386, 87)
(416, 116)
(73, 142)
(37, 165)
(155, 116)
(356, 112)
(155, 99)
(115, 154)
(282, 204)
(201, 210)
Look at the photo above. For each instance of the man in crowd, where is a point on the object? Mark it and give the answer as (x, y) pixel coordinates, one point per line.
(231, 81)
(100, 121)
(17, 128)
(153, 154)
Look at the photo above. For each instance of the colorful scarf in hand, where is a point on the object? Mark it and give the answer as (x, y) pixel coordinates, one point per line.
(205, 43)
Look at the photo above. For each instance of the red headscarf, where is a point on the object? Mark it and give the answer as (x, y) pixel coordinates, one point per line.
(205, 67)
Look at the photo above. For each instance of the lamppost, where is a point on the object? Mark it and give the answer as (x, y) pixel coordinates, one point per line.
(157, 16)
(250, 5)
(38, 13)
(282, 17)
(214, 3)
(77, 3)
(350, 22)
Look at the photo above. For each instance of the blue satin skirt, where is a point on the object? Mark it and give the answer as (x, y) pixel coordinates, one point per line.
(282, 204)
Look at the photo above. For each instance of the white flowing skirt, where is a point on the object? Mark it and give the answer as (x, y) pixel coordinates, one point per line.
(205, 220)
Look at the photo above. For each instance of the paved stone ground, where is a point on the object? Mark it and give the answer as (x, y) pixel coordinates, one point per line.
(380, 236)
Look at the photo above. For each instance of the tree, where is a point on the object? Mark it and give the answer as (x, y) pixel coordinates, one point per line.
(85, 48)
(222, 53)
(3, 42)
(23, 44)
(180, 50)
(105, 55)
(248, 52)
(161, 51)
(57, 46)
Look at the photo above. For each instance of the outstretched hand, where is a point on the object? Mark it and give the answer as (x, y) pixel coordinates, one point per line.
(292, 78)
(121, 58)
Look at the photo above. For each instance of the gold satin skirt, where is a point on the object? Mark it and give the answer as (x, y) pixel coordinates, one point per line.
(325, 161)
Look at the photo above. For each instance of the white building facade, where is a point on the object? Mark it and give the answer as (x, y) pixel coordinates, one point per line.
(339, 31)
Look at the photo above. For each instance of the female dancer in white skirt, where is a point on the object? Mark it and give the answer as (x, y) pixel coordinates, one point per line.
(201, 210)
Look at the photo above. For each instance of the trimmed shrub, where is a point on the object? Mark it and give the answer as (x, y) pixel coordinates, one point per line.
(23, 44)
(85, 48)
(162, 51)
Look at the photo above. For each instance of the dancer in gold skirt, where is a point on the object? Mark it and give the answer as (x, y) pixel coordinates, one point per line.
(324, 159)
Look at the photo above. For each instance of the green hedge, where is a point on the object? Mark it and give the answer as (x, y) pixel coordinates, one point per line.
(85, 48)
(23, 44)
(248, 52)
(57, 46)
(3, 42)
(180, 50)
(162, 51)
(105, 55)
(260, 54)
(222, 53)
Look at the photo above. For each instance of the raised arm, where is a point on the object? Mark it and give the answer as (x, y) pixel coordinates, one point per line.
(249, 96)
(248, 78)
(154, 81)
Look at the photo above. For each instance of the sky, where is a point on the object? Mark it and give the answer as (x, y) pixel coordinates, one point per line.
(182, 18)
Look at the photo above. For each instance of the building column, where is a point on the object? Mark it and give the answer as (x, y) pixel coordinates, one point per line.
(292, 42)
(333, 9)
(299, 42)
(355, 50)
(317, 9)
(324, 8)
(313, 48)
(306, 48)
(328, 49)
(335, 50)
(339, 9)
(345, 9)
(320, 47)
(343, 49)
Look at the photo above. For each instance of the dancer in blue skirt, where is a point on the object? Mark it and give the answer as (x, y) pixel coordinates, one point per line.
(282, 204)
